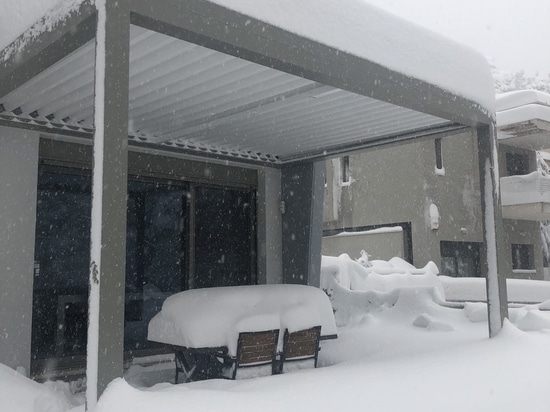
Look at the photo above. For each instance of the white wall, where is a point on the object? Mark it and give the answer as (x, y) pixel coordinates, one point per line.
(18, 180)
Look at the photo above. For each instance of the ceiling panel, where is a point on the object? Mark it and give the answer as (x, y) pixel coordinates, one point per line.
(188, 96)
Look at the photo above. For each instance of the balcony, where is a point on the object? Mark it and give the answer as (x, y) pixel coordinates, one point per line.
(523, 119)
(525, 197)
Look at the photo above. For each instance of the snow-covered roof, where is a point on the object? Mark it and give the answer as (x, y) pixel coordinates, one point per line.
(367, 31)
(266, 81)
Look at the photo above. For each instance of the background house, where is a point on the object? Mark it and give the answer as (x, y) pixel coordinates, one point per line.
(427, 196)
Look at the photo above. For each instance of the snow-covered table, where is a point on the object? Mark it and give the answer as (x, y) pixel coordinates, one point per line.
(203, 320)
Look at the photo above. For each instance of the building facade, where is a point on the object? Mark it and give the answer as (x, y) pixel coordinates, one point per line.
(431, 189)
(151, 147)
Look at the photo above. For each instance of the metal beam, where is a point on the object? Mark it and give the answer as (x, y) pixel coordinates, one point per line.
(303, 188)
(230, 32)
(109, 190)
(32, 53)
(495, 245)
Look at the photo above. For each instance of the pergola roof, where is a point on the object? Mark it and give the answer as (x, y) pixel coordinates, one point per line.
(209, 80)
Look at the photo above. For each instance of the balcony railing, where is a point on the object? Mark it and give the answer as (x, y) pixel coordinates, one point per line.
(525, 197)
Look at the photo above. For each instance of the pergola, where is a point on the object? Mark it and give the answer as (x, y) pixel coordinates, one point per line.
(201, 80)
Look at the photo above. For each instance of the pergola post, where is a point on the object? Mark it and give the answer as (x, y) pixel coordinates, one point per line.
(109, 189)
(495, 247)
(303, 187)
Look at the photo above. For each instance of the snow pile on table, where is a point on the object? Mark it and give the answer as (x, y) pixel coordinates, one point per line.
(214, 317)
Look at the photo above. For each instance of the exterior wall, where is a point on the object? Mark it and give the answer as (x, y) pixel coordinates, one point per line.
(18, 177)
(399, 184)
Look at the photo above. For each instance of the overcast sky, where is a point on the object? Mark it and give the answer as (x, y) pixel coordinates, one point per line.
(513, 34)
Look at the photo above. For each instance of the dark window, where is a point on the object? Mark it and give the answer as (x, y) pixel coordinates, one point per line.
(224, 232)
(460, 259)
(523, 257)
(155, 260)
(345, 172)
(438, 155)
(517, 164)
(158, 229)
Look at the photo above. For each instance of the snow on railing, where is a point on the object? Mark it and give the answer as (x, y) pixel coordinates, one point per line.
(531, 188)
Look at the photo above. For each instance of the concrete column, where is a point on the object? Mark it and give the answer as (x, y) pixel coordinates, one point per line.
(269, 223)
(18, 180)
(109, 189)
(303, 192)
(495, 244)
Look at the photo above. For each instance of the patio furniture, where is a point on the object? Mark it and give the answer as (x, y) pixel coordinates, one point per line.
(208, 325)
(300, 346)
(197, 363)
(254, 350)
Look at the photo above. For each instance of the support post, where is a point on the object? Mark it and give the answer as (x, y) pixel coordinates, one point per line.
(18, 180)
(269, 225)
(109, 189)
(495, 247)
(303, 189)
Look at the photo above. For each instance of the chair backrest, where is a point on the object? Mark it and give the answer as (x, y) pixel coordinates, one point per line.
(256, 348)
(301, 345)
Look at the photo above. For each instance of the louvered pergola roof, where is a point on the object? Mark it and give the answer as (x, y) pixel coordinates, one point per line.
(207, 80)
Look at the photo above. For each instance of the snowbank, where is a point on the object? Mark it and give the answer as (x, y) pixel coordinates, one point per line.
(19, 394)
(396, 341)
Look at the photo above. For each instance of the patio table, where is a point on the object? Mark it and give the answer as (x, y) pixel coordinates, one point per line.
(206, 322)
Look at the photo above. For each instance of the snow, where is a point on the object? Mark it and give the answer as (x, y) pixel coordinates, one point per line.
(399, 348)
(360, 29)
(522, 106)
(511, 100)
(522, 189)
(434, 216)
(366, 31)
(13, 27)
(214, 317)
(474, 289)
(19, 394)
(386, 229)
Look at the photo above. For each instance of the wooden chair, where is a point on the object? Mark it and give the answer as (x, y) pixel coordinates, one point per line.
(254, 349)
(300, 346)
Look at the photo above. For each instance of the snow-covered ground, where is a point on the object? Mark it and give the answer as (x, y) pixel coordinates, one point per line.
(398, 349)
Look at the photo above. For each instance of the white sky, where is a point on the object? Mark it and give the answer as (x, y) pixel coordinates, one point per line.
(513, 34)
